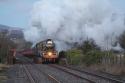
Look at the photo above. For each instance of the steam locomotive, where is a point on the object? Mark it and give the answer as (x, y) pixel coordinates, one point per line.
(45, 51)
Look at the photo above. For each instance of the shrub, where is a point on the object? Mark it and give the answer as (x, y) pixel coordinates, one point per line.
(74, 56)
(92, 57)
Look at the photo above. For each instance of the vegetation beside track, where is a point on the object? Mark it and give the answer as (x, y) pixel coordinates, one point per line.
(76, 57)
(86, 54)
(89, 55)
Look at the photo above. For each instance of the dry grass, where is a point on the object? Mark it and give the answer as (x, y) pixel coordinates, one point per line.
(3, 77)
(113, 69)
(116, 70)
(3, 66)
(3, 73)
(96, 67)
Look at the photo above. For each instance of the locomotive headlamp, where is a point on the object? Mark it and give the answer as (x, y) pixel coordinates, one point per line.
(49, 42)
(49, 53)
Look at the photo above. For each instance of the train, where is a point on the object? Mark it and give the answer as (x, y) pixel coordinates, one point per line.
(45, 51)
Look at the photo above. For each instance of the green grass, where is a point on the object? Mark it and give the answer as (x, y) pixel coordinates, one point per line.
(76, 57)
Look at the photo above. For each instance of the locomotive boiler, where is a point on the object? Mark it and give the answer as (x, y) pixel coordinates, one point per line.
(45, 51)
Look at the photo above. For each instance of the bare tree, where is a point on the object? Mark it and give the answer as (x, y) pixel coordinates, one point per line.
(5, 45)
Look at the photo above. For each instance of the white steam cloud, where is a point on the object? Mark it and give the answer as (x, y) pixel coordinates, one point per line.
(69, 21)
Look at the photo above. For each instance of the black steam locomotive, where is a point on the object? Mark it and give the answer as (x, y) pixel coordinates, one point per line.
(45, 51)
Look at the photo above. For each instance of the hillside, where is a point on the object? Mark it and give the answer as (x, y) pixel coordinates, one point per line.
(15, 34)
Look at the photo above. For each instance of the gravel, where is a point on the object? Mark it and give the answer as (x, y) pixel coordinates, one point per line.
(38, 76)
(98, 73)
(16, 75)
(63, 77)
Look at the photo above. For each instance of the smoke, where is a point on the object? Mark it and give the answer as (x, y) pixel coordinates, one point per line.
(70, 21)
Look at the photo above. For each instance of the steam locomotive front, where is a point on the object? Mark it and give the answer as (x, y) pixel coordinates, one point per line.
(50, 54)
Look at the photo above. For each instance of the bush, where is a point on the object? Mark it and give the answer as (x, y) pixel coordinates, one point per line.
(5, 45)
(92, 57)
(74, 56)
(88, 46)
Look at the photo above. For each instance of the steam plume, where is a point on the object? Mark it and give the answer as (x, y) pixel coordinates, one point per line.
(69, 21)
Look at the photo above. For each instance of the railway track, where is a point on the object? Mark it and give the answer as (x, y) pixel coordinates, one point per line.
(29, 75)
(54, 80)
(71, 73)
(69, 69)
(32, 80)
(40, 73)
(99, 75)
(111, 75)
(49, 76)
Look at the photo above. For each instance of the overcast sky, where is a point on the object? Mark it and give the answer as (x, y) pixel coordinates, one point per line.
(16, 13)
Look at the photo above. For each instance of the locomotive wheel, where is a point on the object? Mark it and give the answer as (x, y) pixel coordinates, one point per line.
(53, 60)
(45, 60)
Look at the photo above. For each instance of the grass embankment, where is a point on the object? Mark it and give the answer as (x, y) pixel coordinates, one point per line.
(76, 57)
(3, 73)
(95, 60)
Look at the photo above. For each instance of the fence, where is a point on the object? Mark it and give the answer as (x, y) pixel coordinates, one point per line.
(115, 59)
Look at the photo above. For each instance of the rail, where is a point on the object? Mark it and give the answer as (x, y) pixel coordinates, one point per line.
(94, 74)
